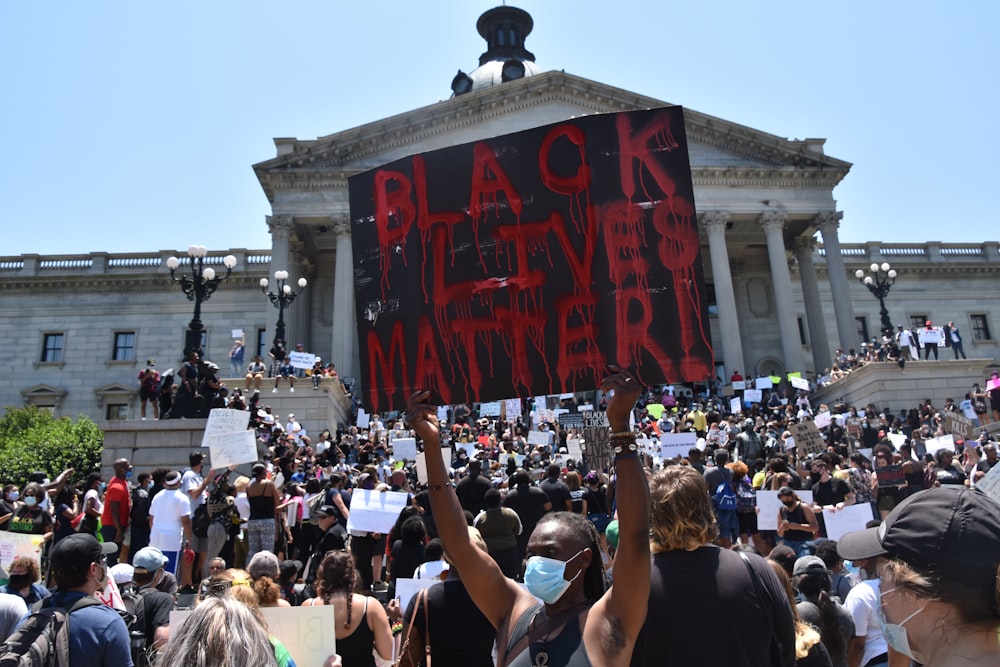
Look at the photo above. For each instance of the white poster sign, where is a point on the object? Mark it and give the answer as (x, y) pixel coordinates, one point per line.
(847, 520)
(739, 385)
(421, 460)
(933, 445)
(302, 359)
(364, 419)
(375, 511)
(676, 445)
(237, 333)
(404, 449)
(406, 589)
(735, 405)
(897, 439)
(18, 544)
(513, 408)
(222, 422)
(305, 631)
(538, 438)
(799, 383)
(763, 383)
(490, 409)
(989, 484)
(752, 395)
(231, 449)
(822, 420)
(573, 449)
(768, 506)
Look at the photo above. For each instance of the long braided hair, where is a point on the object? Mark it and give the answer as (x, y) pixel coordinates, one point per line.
(337, 575)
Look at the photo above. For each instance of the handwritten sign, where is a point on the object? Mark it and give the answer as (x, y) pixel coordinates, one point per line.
(799, 383)
(822, 420)
(513, 408)
(753, 395)
(375, 511)
(489, 409)
(232, 449)
(959, 426)
(538, 438)
(944, 442)
(222, 422)
(305, 631)
(569, 420)
(676, 445)
(763, 383)
(735, 406)
(808, 439)
(990, 483)
(573, 449)
(739, 385)
(847, 520)
(13, 545)
(302, 360)
(404, 449)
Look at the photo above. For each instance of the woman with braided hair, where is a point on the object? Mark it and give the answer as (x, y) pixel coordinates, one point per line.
(360, 627)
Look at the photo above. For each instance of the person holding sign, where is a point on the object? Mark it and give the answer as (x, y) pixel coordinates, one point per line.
(579, 622)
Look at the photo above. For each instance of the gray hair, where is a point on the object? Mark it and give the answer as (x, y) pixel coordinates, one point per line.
(220, 632)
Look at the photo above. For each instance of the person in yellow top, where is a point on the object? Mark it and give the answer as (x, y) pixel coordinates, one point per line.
(700, 420)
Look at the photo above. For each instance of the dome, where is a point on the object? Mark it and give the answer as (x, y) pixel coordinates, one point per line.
(505, 59)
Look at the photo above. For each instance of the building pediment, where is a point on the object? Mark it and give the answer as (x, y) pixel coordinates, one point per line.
(719, 149)
(43, 391)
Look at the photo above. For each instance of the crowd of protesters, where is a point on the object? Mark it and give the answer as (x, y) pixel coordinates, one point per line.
(560, 524)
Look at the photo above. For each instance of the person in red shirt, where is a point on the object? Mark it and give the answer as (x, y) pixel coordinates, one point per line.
(117, 507)
(736, 377)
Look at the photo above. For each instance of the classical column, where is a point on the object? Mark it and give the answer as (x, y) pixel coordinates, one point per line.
(773, 223)
(732, 345)
(345, 331)
(281, 227)
(803, 249)
(847, 327)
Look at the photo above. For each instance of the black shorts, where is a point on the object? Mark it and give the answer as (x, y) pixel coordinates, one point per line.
(147, 394)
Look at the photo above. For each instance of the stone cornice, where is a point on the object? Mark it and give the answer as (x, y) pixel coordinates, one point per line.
(332, 152)
(116, 284)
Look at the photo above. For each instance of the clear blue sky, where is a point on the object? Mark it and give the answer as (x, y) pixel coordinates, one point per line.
(132, 126)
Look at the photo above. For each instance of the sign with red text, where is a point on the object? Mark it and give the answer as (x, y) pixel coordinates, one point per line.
(524, 264)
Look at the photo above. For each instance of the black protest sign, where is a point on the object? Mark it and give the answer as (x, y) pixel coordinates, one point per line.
(959, 426)
(890, 476)
(524, 264)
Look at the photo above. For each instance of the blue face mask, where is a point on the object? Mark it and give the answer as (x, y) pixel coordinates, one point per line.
(30, 501)
(895, 633)
(101, 487)
(128, 474)
(13, 495)
(545, 577)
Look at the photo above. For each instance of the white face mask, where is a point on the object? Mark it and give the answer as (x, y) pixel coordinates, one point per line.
(895, 633)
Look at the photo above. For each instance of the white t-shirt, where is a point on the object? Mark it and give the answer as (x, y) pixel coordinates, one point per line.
(190, 481)
(166, 510)
(863, 602)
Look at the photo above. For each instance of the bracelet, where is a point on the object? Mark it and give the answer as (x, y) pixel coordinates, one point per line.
(631, 448)
(627, 455)
(622, 435)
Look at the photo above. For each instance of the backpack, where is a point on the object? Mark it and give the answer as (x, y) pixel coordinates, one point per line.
(43, 638)
(200, 521)
(746, 497)
(725, 500)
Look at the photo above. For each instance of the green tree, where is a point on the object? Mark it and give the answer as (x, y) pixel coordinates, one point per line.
(33, 440)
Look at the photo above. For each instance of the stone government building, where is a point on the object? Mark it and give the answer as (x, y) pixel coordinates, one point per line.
(781, 285)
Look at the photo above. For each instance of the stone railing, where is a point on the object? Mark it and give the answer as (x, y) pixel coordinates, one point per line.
(111, 264)
(867, 253)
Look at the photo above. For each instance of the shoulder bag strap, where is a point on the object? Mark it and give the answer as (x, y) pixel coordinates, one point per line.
(427, 629)
(404, 649)
(776, 649)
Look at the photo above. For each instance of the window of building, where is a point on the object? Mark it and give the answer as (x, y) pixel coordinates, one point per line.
(980, 327)
(918, 321)
(262, 343)
(116, 412)
(802, 331)
(124, 346)
(52, 347)
(862, 323)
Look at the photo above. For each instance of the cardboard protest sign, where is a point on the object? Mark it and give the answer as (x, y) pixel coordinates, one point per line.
(304, 631)
(676, 445)
(523, 264)
(847, 520)
(375, 511)
(808, 439)
(404, 449)
(595, 434)
(959, 426)
(302, 360)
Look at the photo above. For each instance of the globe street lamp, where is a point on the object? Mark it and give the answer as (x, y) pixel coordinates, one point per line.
(198, 287)
(878, 282)
(281, 298)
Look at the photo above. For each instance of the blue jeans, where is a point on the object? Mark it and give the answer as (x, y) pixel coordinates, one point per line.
(800, 547)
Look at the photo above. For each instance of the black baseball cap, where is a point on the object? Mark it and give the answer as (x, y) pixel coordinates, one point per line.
(74, 552)
(950, 532)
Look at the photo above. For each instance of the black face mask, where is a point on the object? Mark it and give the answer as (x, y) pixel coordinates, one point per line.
(815, 476)
(789, 503)
(18, 581)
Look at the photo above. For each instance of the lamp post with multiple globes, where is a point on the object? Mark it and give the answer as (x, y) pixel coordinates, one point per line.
(879, 281)
(281, 298)
(198, 287)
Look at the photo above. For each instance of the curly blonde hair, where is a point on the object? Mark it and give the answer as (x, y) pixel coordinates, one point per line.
(682, 514)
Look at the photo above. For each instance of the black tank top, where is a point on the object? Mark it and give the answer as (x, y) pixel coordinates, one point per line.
(356, 648)
(565, 650)
(262, 506)
(796, 515)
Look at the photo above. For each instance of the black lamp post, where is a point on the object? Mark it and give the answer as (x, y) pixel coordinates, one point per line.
(878, 282)
(282, 298)
(198, 287)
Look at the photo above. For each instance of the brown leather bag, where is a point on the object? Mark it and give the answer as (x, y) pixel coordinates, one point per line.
(404, 659)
